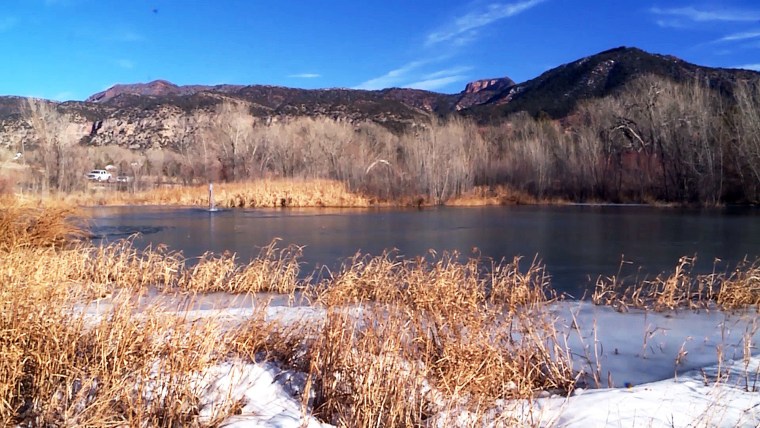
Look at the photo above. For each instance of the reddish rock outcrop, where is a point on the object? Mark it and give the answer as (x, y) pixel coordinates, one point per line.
(490, 84)
(481, 91)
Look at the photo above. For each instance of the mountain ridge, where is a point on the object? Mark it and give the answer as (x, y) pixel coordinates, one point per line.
(554, 92)
(599, 75)
(134, 115)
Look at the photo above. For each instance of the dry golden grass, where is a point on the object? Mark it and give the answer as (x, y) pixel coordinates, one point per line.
(400, 342)
(426, 333)
(683, 289)
(264, 193)
(432, 332)
(26, 224)
(273, 270)
(500, 195)
(740, 288)
(259, 339)
(397, 367)
(61, 367)
(493, 195)
(361, 375)
(294, 193)
(426, 283)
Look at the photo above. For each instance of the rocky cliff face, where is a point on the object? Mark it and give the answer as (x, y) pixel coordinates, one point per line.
(165, 127)
(481, 91)
(490, 84)
(18, 134)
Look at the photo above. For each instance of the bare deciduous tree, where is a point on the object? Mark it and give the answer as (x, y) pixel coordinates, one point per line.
(229, 134)
(56, 137)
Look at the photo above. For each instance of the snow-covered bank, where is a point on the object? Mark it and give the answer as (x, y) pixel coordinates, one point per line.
(695, 398)
(268, 395)
(269, 398)
(671, 369)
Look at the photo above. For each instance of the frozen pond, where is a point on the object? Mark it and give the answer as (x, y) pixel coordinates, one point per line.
(577, 243)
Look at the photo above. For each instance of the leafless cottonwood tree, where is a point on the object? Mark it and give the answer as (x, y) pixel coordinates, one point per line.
(55, 146)
(680, 126)
(442, 159)
(229, 133)
(747, 132)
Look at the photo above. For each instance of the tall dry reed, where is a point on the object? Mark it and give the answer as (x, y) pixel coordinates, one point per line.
(28, 223)
(62, 365)
(432, 333)
(263, 193)
(274, 270)
(391, 341)
(69, 356)
(682, 288)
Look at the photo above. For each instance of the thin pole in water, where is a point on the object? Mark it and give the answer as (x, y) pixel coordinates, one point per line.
(210, 196)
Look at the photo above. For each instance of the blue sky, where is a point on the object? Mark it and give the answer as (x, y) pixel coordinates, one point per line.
(70, 49)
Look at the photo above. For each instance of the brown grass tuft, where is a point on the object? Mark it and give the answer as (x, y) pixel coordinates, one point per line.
(493, 195)
(60, 366)
(432, 332)
(264, 193)
(683, 289)
(23, 224)
(741, 288)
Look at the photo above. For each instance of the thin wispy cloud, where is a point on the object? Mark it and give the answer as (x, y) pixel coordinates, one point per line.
(305, 75)
(441, 78)
(413, 75)
(671, 23)
(431, 72)
(737, 37)
(434, 84)
(464, 29)
(7, 23)
(394, 77)
(447, 72)
(704, 15)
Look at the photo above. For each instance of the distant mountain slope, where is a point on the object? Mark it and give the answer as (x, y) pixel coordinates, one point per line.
(275, 96)
(150, 114)
(158, 88)
(555, 92)
(395, 108)
(558, 90)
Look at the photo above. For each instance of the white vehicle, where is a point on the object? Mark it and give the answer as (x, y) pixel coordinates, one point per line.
(99, 175)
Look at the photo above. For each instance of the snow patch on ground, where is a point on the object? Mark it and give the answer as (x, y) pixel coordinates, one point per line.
(694, 399)
(644, 369)
(267, 394)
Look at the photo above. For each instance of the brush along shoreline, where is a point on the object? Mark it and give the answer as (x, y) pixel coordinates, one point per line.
(282, 193)
(309, 193)
(116, 336)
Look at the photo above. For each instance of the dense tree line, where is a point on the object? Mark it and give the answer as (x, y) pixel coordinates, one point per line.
(656, 140)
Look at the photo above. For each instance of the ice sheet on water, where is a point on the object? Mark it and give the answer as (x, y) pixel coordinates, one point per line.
(639, 347)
